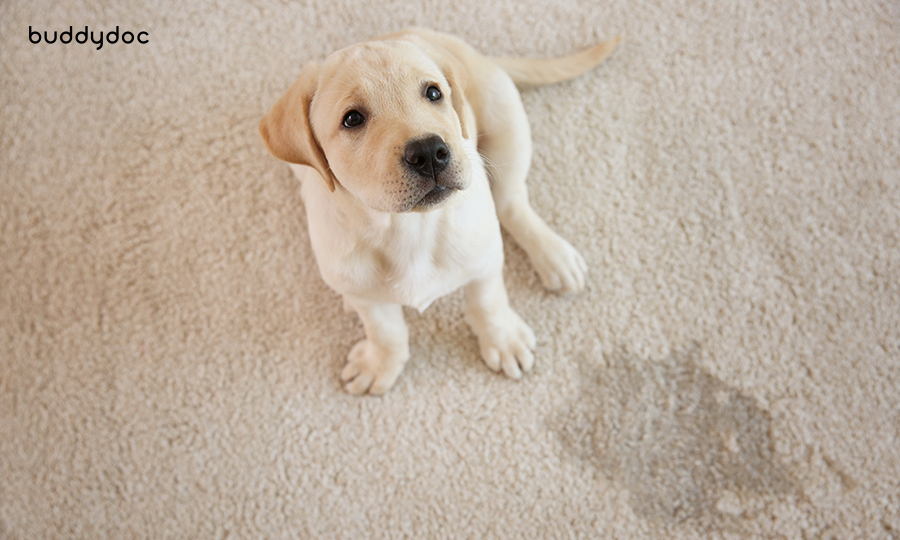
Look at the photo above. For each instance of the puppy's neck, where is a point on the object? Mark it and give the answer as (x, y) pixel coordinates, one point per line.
(359, 216)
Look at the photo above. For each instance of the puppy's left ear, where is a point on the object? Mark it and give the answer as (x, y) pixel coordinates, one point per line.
(455, 73)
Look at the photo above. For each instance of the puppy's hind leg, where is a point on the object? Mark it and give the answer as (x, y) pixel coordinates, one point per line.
(374, 363)
(506, 143)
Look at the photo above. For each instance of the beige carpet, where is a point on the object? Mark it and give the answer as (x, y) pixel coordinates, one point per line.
(169, 356)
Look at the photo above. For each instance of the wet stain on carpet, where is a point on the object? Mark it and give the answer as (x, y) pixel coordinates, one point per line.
(687, 447)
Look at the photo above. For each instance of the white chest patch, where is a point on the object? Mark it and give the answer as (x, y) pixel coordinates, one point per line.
(410, 259)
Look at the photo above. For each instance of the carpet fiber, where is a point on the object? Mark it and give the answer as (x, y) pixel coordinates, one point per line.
(169, 356)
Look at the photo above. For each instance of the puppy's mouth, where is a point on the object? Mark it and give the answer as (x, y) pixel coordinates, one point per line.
(434, 197)
(431, 171)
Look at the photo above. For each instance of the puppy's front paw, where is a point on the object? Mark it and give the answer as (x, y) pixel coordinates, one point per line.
(506, 343)
(371, 368)
(559, 265)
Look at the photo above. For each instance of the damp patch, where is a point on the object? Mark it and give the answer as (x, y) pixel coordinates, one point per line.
(687, 447)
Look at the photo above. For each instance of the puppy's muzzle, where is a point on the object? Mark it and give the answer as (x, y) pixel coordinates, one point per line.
(427, 157)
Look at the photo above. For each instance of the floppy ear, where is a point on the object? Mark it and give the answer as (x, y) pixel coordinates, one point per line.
(286, 129)
(455, 74)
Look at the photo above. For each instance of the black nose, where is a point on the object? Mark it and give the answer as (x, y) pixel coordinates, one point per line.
(428, 156)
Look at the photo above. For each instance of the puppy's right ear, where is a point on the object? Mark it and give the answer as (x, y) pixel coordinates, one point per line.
(286, 129)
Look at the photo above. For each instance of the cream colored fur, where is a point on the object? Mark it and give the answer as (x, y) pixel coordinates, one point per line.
(376, 241)
(170, 356)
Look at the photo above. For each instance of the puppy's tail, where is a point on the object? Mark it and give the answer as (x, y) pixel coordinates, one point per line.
(540, 71)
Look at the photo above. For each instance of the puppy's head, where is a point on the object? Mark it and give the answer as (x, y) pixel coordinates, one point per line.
(383, 119)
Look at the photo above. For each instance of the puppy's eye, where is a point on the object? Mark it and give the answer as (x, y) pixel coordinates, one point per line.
(433, 93)
(353, 119)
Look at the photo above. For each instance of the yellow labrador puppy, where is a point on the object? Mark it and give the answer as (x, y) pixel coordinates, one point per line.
(390, 139)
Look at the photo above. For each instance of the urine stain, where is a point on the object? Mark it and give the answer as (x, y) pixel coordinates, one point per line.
(687, 447)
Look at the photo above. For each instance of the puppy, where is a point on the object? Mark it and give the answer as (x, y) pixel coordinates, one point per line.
(389, 139)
